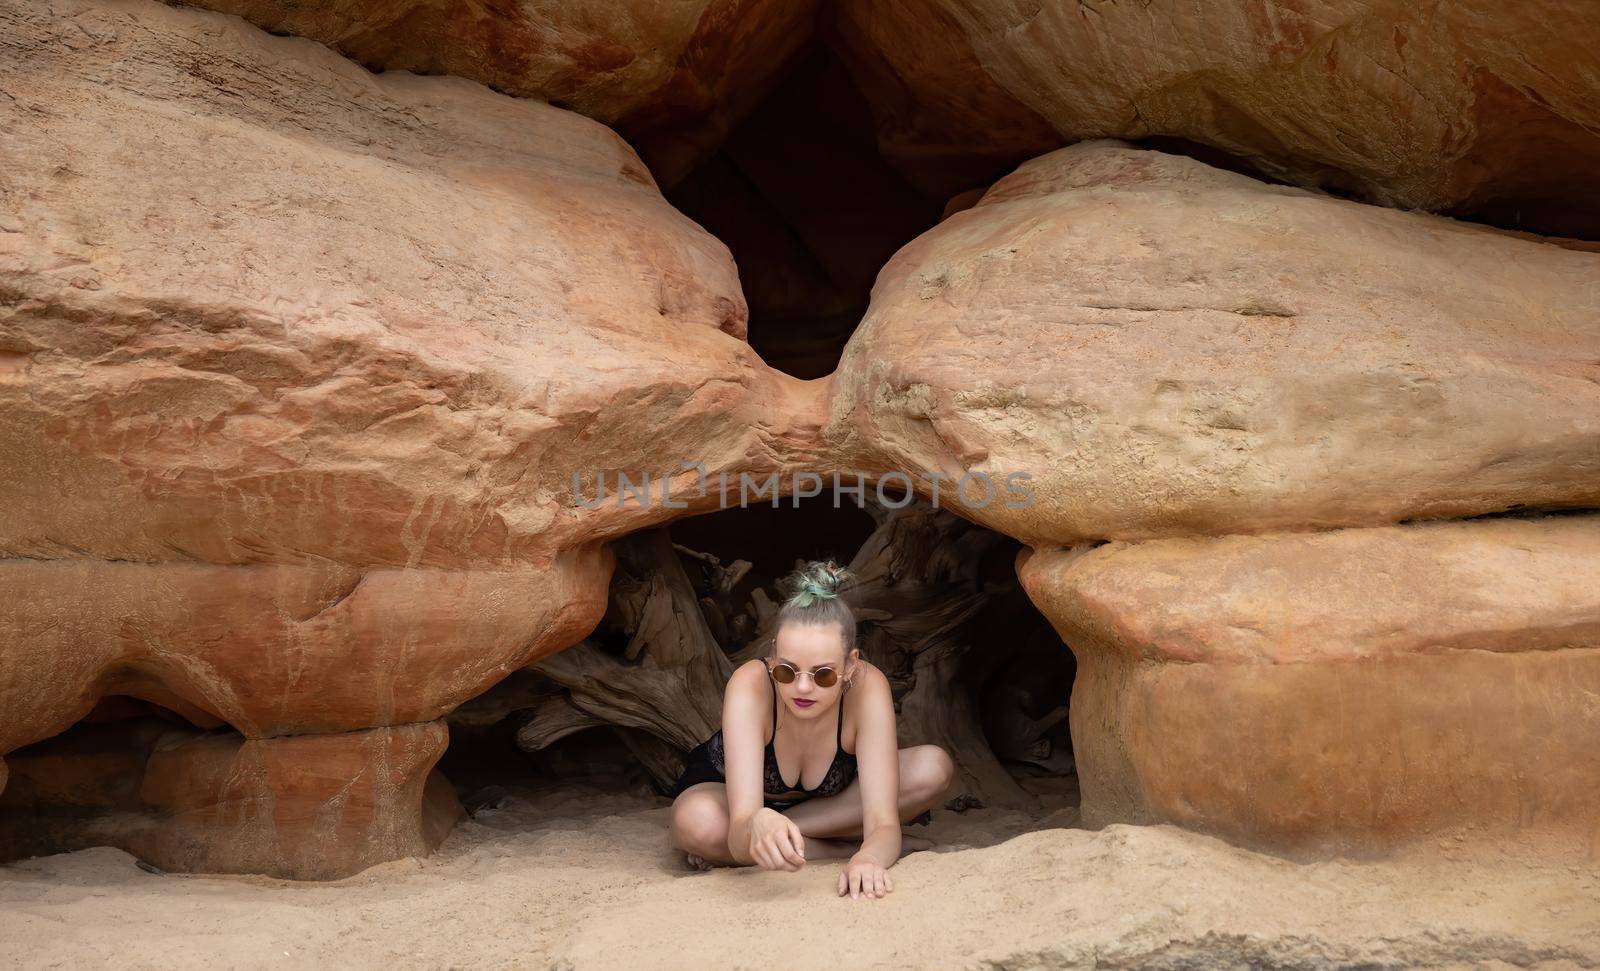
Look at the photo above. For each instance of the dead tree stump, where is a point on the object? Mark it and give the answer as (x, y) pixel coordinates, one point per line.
(923, 580)
(653, 664)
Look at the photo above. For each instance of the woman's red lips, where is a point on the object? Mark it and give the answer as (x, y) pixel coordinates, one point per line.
(804, 702)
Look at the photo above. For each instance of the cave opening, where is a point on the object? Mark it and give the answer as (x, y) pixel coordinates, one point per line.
(972, 664)
(99, 782)
(816, 187)
(810, 210)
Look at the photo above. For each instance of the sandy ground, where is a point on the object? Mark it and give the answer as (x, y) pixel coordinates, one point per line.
(574, 878)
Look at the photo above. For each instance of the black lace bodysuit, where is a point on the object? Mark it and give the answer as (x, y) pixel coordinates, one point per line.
(708, 763)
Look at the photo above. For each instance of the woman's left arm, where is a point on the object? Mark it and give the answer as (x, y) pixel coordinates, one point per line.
(878, 767)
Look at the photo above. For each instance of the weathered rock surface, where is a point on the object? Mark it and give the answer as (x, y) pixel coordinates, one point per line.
(1170, 349)
(941, 119)
(309, 807)
(289, 418)
(1347, 689)
(297, 364)
(1472, 107)
(277, 649)
(672, 77)
(496, 296)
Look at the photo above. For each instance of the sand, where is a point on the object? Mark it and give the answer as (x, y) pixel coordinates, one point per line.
(577, 878)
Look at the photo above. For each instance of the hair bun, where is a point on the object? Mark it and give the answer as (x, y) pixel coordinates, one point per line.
(817, 580)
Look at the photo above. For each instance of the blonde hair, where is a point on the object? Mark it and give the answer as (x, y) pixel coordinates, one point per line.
(814, 599)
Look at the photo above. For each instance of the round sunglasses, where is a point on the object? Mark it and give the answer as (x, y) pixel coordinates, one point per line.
(825, 676)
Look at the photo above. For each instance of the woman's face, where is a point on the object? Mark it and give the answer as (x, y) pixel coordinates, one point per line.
(808, 647)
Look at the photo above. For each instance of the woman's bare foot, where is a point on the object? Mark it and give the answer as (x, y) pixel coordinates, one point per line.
(697, 862)
(913, 844)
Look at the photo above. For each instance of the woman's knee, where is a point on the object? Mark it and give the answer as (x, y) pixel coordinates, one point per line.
(932, 770)
(699, 823)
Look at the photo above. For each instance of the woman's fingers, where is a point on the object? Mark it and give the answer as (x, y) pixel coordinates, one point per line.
(773, 859)
(864, 879)
(792, 845)
(783, 855)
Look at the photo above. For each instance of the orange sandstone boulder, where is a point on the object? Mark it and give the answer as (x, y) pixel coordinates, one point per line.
(1169, 349)
(370, 319)
(1339, 690)
(1472, 107)
(310, 807)
(275, 649)
(672, 77)
(298, 363)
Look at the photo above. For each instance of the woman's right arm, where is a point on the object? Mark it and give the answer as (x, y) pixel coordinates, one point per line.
(756, 834)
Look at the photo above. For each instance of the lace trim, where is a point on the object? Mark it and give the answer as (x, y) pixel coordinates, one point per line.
(839, 773)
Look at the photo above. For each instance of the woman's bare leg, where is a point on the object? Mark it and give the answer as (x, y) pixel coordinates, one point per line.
(699, 827)
(699, 820)
(926, 772)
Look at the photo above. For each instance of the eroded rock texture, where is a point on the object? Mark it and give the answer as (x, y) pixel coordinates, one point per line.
(310, 807)
(1170, 349)
(672, 77)
(1175, 353)
(1477, 107)
(297, 364)
(1340, 689)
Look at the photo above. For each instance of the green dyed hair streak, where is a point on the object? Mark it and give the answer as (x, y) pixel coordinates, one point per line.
(814, 599)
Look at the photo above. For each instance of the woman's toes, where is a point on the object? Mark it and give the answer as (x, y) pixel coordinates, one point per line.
(696, 862)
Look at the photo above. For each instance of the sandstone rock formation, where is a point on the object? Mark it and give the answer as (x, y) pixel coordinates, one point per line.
(297, 365)
(1171, 349)
(672, 77)
(1338, 690)
(1175, 353)
(307, 806)
(1476, 107)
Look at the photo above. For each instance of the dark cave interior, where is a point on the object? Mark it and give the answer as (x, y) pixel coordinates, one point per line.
(811, 210)
(972, 664)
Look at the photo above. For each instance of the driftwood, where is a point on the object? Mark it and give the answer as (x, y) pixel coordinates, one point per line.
(918, 592)
(553, 719)
(652, 666)
(940, 613)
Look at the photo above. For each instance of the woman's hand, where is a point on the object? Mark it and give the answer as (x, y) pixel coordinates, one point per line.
(864, 876)
(775, 841)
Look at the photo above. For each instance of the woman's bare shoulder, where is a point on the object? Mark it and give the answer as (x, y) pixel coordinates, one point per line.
(869, 673)
(869, 689)
(747, 693)
(869, 686)
(748, 675)
(748, 681)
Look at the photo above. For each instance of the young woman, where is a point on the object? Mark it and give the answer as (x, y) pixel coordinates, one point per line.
(807, 755)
